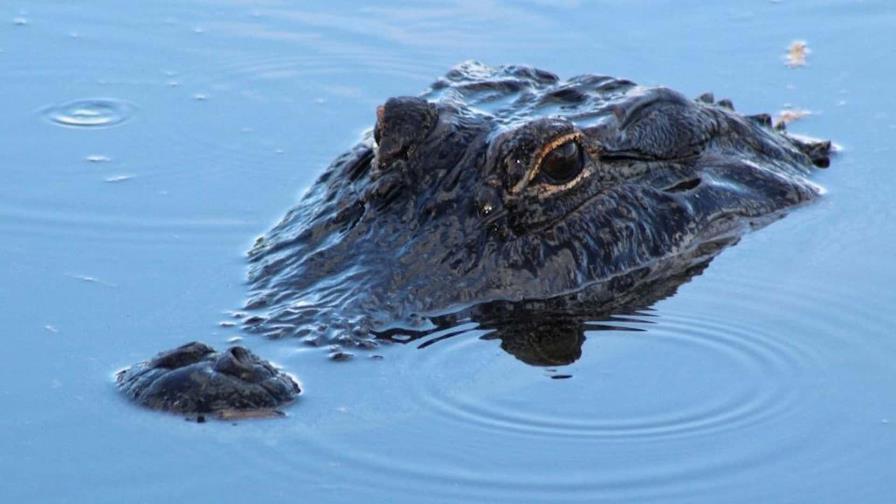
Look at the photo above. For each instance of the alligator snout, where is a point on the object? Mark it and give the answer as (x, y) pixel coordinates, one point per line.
(196, 379)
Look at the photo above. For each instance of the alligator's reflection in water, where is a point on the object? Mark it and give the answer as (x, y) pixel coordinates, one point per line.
(551, 332)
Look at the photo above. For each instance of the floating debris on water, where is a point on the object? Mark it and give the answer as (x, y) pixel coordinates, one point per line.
(51, 328)
(20, 21)
(788, 115)
(797, 53)
(90, 279)
(200, 97)
(117, 178)
(97, 158)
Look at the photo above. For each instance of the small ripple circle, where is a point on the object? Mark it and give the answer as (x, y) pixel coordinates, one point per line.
(90, 113)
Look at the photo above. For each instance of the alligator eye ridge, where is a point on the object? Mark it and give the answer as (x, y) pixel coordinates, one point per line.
(563, 163)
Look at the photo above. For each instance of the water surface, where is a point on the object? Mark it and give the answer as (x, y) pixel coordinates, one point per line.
(146, 146)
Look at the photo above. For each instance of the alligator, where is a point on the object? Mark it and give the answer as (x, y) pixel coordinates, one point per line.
(506, 196)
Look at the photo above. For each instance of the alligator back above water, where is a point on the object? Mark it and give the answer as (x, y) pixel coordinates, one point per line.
(508, 187)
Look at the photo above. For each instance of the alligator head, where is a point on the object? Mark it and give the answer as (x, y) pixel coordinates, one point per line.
(531, 205)
(509, 184)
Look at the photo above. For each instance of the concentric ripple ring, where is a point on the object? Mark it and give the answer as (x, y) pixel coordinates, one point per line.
(90, 113)
(756, 374)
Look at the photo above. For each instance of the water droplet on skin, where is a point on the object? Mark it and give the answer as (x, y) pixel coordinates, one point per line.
(90, 113)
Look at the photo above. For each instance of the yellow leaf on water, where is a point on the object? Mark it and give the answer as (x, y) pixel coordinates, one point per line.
(789, 115)
(796, 53)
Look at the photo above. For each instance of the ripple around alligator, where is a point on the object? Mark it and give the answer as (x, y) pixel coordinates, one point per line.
(481, 400)
(735, 364)
(670, 397)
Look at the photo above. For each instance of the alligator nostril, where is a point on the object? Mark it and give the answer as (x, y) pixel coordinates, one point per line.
(235, 361)
(239, 353)
(182, 356)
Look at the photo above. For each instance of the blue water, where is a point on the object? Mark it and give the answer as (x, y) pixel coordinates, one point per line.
(144, 147)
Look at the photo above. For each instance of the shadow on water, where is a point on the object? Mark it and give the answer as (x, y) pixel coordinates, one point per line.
(551, 332)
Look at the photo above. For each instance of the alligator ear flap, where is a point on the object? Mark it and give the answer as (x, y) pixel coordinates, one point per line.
(401, 123)
(819, 151)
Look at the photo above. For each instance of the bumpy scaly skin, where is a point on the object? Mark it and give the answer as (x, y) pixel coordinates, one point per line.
(444, 205)
(195, 379)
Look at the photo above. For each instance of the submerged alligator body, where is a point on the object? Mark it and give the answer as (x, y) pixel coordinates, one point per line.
(524, 202)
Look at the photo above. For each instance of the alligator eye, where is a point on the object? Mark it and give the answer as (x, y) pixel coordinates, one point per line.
(563, 163)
